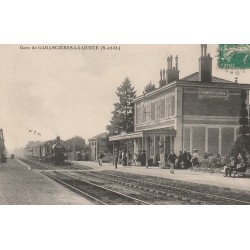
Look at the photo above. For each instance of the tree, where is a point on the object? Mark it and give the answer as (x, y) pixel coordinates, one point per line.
(242, 143)
(244, 126)
(123, 114)
(87, 152)
(150, 87)
(76, 143)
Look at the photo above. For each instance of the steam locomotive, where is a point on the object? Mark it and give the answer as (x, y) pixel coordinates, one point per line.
(52, 152)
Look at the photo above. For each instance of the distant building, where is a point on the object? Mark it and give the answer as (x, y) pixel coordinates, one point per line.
(198, 111)
(98, 143)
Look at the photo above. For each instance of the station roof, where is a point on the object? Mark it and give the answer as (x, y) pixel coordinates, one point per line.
(195, 78)
(33, 144)
(97, 136)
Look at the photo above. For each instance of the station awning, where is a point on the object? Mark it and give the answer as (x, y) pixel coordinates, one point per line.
(140, 134)
(126, 136)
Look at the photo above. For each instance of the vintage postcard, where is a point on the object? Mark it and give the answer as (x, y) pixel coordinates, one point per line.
(113, 124)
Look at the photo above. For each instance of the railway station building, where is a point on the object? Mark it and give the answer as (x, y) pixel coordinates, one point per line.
(98, 143)
(199, 111)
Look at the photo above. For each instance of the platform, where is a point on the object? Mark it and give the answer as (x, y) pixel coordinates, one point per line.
(21, 186)
(215, 179)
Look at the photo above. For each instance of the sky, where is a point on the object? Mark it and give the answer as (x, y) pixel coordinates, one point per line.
(72, 92)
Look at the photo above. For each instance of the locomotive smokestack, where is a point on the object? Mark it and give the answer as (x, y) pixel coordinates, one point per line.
(58, 139)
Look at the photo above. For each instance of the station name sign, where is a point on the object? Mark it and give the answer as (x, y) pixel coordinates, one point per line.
(213, 93)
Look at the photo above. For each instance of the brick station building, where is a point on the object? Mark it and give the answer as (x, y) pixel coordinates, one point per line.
(198, 111)
(98, 143)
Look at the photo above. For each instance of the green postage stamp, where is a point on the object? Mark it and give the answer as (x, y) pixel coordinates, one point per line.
(234, 56)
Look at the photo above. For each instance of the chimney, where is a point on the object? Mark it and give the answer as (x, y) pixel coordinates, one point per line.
(171, 61)
(168, 62)
(164, 75)
(162, 81)
(58, 139)
(171, 74)
(205, 65)
(176, 62)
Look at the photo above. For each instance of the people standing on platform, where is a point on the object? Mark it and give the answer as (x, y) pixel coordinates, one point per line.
(189, 159)
(185, 158)
(138, 159)
(120, 158)
(218, 159)
(124, 159)
(239, 158)
(134, 158)
(130, 158)
(101, 155)
(230, 167)
(116, 158)
(180, 162)
(195, 157)
(172, 158)
(166, 159)
(143, 158)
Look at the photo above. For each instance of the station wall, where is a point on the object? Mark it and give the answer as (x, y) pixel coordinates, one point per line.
(195, 104)
(214, 140)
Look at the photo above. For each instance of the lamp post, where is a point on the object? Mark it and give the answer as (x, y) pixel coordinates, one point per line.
(147, 147)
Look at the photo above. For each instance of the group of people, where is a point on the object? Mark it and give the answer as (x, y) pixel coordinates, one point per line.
(122, 158)
(183, 160)
(235, 166)
(140, 158)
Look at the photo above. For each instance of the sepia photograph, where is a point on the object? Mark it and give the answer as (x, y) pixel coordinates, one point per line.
(116, 124)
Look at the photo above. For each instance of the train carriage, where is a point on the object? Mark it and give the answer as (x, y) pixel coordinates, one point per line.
(36, 152)
(52, 151)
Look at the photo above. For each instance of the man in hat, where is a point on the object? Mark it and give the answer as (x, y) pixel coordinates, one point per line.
(185, 158)
(143, 158)
(172, 158)
(189, 159)
(138, 159)
(230, 167)
(180, 163)
(116, 158)
(101, 155)
(195, 157)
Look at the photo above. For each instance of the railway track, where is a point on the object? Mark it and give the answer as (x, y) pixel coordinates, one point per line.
(96, 186)
(152, 192)
(97, 193)
(37, 165)
(100, 194)
(194, 197)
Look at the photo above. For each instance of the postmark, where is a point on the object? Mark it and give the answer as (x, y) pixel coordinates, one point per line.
(234, 56)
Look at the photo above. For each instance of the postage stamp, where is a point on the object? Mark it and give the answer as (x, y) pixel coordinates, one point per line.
(234, 56)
